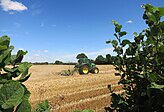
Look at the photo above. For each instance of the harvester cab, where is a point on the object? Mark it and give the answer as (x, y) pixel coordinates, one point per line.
(86, 66)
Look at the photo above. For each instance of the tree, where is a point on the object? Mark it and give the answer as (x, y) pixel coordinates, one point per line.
(108, 59)
(58, 62)
(100, 60)
(81, 55)
(140, 65)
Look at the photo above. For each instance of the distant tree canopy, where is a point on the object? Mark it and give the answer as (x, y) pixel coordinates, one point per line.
(40, 63)
(109, 59)
(100, 60)
(103, 60)
(81, 55)
(58, 62)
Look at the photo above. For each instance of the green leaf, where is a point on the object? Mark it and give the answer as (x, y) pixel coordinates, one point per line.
(161, 11)
(161, 48)
(24, 106)
(3, 47)
(135, 34)
(156, 86)
(11, 94)
(43, 107)
(23, 68)
(10, 69)
(116, 35)
(26, 93)
(114, 43)
(151, 17)
(119, 50)
(25, 78)
(5, 58)
(109, 41)
(122, 33)
(15, 59)
(117, 26)
(125, 42)
(114, 22)
(4, 41)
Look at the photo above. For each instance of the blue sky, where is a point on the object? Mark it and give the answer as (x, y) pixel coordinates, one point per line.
(60, 29)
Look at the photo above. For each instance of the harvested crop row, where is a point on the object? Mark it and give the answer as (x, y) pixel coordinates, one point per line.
(65, 92)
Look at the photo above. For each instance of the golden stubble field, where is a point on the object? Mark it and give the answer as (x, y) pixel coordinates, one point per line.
(68, 93)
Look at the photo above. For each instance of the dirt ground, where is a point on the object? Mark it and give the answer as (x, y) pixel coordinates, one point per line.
(68, 93)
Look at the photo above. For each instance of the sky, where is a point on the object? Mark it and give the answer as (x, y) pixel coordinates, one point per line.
(60, 29)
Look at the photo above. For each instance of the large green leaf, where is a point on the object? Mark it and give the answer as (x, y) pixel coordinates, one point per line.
(125, 42)
(26, 93)
(5, 58)
(3, 47)
(122, 33)
(15, 59)
(23, 68)
(24, 107)
(11, 94)
(4, 41)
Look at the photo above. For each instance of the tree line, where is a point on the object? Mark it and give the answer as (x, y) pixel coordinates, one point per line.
(100, 60)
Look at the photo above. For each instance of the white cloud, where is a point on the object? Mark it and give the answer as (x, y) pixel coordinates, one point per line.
(40, 51)
(36, 55)
(44, 56)
(45, 51)
(8, 5)
(129, 21)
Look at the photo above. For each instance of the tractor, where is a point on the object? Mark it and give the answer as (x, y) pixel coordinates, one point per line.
(86, 66)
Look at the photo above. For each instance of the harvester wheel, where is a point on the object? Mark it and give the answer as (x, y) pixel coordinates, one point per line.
(84, 69)
(95, 70)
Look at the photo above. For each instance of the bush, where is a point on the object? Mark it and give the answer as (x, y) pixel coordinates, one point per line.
(141, 66)
(14, 96)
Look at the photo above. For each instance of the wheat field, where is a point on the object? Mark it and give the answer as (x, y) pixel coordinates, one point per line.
(68, 93)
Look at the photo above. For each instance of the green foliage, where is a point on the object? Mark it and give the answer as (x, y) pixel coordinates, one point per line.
(100, 60)
(13, 93)
(81, 55)
(140, 65)
(43, 107)
(68, 72)
(58, 62)
(103, 60)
